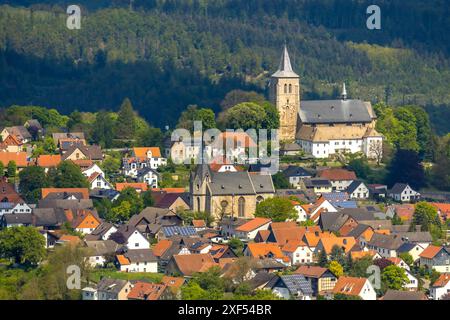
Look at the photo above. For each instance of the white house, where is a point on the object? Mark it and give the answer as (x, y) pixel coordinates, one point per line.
(141, 260)
(99, 250)
(414, 249)
(413, 282)
(440, 287)
(358, 190)
(340, 178)
(352, 286)
(248, 230)
(403, 192)
(10, 207)
(298, 252)
(149, 176)
(132, 238)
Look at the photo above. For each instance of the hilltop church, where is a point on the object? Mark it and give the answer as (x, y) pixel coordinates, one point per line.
(322, 128)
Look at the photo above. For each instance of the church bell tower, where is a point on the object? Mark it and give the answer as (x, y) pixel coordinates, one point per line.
(285, 95)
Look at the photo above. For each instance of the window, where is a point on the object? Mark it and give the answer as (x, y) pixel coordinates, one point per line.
(285, 88)
(136, 244)
(241, 207)
(290, 88)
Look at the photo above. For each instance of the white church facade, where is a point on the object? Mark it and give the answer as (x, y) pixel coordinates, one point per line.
(323, 128)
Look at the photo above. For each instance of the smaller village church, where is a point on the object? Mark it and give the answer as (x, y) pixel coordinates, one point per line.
(322, 128)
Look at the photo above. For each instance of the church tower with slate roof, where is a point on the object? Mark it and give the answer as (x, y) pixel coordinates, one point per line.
(285, 95)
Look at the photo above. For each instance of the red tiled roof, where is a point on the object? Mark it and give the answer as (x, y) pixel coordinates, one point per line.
(48, 160)
(161, 247)
(199, 223)
(442, 280)
(136, 185)
(146, 291)
(336, 174)
(84, 191)
(430, 252)
(349, 286)
(253, 224)
(20, 158)
(189, 264)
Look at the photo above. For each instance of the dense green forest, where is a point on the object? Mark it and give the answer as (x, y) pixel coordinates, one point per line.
(167, 54)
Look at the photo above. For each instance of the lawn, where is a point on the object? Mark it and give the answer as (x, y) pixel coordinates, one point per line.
(97, 274)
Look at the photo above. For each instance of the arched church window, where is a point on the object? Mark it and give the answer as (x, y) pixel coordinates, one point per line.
(198, 204)
(290, 88)
(241, 207)
(285, 88)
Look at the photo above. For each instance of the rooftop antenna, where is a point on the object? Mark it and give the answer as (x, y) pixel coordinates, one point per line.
(344, 92)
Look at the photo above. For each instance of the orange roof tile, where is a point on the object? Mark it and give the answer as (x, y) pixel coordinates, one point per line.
(311, 271)
(72, 240)
(161, 247)
(199, 223)
(344, 242)
(135, 185)
(262, 250)
(253, 224)
(20, 158)
(146, 291)
(176, 282)
(189, 264)
(141, 152)
(281, 225)
(430, 252)
(349, 286)
(283, 235)
(84, 191)
(48, 160)
(336, 174)
(263, 234)
(361, 254)
(313, 238)
(122, 259)
(442, 280)
(291, 246)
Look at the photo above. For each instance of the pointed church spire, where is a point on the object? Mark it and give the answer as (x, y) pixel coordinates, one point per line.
(344, 92)
(285, 67)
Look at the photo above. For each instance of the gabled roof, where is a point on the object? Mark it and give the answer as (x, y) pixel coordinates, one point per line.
(188, 264)
(84, 192)
(296, 171)
(262, 250)
(20, 158)
(337, 174)
(140, 255)
(111, 285)
(161, 247)
(403, 295)
(349, 286)
(334, 111)
(398, 188)
(442, 281)
(294, 283)
(431, 251)
(354, 185)
(253, 224)
(311, 271)
(391, 242)
(102, 247)
(146, 291)
(347, 243)
(141, 152)
(48, 160)
(135, 185)
(283, 235)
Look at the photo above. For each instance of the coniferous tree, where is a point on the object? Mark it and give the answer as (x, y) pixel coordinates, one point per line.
(126, 122)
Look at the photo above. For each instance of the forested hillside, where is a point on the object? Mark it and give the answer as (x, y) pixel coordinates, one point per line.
(165, 55)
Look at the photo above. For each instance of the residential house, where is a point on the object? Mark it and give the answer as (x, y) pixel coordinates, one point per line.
(57, 136)
(130, 237)
(413, 249)
(352, 286)
(84, 221)
(137, 260)
(265, 250)
(102, 232)
(188, 264)
(19, 132)
(402, 192)
(16, 220)
(290, 149)
(10, 207)
(318, 185)
(11, 144)
(228, 226)
(340, 179)
(20, 159)
(138, 186)
(248, 230)
(296, 174)
(147, 291)
(358, 190)
(298, 252)
(99, 251)
(65, 193)
(385, 245)
(294, 286)
(113, 289)
(171, 200)
(413, 283)
(35, 128)
(399, 295)
(150, 221)
(443, 210)
(441, 287)
(151, 156)
(48, 161)
(327, 243)
(199, 225)
(149, 176)
(82, 152)
(435, 257)
(322, 279)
